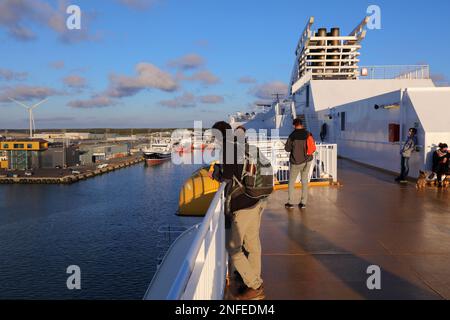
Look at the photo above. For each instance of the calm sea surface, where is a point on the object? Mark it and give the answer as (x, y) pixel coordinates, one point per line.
(106, 225)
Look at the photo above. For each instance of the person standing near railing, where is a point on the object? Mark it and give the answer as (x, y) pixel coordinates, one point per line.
(243, 212)
(301, 147)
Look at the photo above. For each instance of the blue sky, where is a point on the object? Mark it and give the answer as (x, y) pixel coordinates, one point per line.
(166, 63)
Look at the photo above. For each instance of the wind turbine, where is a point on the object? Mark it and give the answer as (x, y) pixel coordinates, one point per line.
(30, 112)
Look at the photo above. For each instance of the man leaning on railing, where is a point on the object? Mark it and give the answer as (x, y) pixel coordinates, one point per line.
(243, 210)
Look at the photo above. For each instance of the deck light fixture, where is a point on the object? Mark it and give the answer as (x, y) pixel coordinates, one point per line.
(387, 106)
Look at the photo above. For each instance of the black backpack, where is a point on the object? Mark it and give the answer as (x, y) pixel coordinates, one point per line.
(257, 174)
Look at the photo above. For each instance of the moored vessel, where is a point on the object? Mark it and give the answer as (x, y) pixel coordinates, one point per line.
(157, 154)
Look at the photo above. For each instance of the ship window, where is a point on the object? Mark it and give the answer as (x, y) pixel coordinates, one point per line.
(5, 146)
(18, 146)
(307, 96)
(343, 120)
(29, 146)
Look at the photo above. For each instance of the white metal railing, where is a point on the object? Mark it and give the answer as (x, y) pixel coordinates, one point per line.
(203, 272)
(325, 160)
(408, 72)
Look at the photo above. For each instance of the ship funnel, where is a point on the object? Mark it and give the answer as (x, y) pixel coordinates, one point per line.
(334, 44)
(320, 57)
(327, 54)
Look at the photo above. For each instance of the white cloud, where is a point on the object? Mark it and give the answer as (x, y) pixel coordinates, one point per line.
(204, 77)
(26, 93)
(148, 77)
(10, 75)
(75, 82)
(98, 101)
(187, 62)
(19, 17)
(267, 90)
(211, 99)
(187, 100)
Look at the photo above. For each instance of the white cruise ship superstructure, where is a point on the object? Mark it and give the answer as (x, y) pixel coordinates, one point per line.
(366, 111)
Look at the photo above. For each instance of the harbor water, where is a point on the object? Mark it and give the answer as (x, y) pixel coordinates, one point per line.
(108, 226)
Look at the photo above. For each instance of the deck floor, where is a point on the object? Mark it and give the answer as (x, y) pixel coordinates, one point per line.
(324, 251)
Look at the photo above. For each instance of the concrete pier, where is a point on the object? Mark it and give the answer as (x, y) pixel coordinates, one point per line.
(67, 177)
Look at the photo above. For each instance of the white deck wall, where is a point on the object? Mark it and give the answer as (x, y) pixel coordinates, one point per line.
(432, 107)
(366, 136)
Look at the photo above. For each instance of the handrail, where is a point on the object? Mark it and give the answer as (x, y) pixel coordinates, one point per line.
(324, 164)
(183, 277)
(411, 72)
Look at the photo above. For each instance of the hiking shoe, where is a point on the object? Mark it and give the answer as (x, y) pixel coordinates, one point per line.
(236, 288)
(289, 206)
(252, 294)
(302, 206)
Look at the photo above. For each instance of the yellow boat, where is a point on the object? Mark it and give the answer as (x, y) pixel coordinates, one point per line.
(197, 193)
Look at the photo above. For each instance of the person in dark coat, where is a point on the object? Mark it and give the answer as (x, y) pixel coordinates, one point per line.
(242, 213)
(441, 160)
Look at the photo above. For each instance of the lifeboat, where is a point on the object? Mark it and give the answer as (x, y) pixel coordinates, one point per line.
(197, 193)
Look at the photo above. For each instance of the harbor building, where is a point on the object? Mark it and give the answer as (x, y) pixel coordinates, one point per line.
(23, 154)
(72, 136)
(59, 155)
(90, 154)
(3, 160)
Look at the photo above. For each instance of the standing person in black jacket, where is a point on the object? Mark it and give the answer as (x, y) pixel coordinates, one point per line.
(243, 215)
(300, 163)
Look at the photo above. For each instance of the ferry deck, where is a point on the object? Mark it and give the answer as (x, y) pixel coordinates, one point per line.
(324, 251)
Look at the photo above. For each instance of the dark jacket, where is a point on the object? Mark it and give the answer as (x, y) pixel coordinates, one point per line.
(440, 164)
(225, 173)
(296, 146)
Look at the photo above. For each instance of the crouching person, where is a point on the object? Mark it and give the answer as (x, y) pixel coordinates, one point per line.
(441, 159)
(249, 178)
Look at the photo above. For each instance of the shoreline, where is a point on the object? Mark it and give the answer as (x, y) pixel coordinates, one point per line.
(71, 178)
